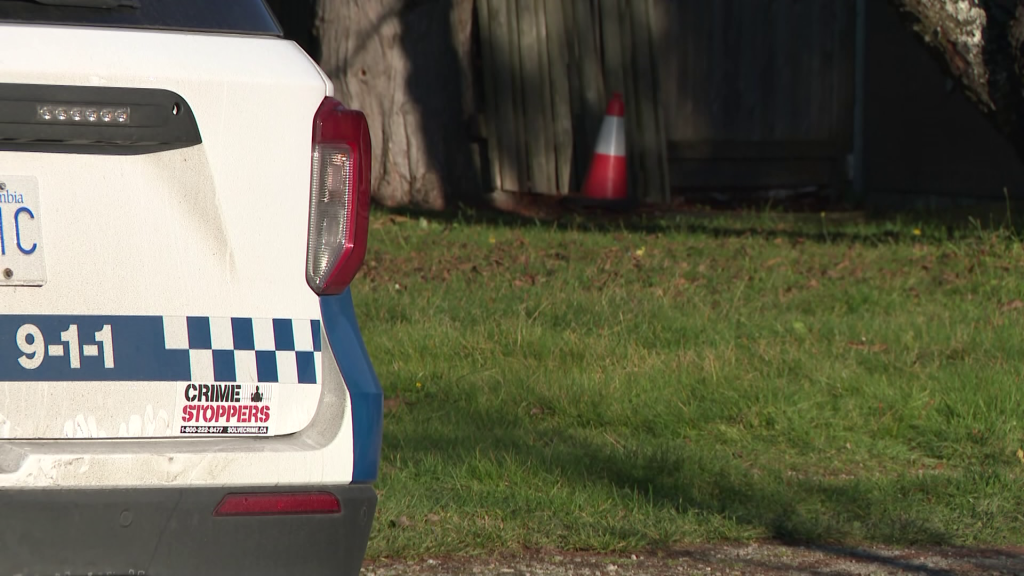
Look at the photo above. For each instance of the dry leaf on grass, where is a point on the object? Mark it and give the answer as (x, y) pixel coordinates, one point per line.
(867, 347)
(527, 280)
(390, 221)
(392, 404)
(401, 522)
(1012, 305)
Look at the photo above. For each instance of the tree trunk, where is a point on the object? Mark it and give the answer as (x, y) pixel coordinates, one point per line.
(980, 43)
(405, 63)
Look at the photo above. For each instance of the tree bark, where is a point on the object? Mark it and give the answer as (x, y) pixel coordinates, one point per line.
(981, 44)
(405, 63)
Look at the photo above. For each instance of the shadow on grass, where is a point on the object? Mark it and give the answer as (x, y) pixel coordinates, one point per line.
(866, 558)
(869, 557)
(833, 229)
(990, 561)
(838, 227)
(792, 509)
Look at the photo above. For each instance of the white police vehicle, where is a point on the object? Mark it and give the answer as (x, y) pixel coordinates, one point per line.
(183, 385)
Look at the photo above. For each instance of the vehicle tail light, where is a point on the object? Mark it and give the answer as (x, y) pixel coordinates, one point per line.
(271, 504)
(339, 209)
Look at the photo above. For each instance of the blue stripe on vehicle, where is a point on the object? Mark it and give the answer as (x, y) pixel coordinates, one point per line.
(242, 334)
(139, 351)
(266, 366)
(284, 337)
(342, 328)
(317, 344)
(199, 337)
(305, 363)
(147, 349)
(224, 366)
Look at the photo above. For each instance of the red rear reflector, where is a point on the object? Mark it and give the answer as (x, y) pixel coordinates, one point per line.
(339, 205)
(273, 504)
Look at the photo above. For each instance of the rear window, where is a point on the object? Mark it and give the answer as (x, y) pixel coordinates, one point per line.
(230, 16)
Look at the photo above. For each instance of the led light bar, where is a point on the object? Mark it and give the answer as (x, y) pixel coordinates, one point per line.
(84, 114)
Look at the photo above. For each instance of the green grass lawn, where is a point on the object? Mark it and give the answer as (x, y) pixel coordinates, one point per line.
(692, 380)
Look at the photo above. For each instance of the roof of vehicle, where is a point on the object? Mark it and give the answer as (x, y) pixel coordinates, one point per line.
(223, 16)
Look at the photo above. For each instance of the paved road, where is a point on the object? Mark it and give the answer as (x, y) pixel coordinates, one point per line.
(747, 559)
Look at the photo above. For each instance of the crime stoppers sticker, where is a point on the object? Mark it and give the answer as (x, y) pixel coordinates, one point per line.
(225, 409)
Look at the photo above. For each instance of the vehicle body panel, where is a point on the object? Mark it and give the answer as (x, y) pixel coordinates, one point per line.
(166, 271)
(196, 232)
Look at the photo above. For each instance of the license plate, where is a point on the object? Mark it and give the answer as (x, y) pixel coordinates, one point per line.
(21, 232)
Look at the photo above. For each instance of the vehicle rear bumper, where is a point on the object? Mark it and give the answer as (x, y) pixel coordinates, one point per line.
(164, 531)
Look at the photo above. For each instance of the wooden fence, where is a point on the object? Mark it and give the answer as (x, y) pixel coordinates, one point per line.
(719, 93)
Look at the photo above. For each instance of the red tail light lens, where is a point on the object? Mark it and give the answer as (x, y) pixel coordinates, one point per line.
(278, 504)
(339, 208)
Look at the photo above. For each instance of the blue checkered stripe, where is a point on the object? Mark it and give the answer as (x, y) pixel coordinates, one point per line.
(248, 350)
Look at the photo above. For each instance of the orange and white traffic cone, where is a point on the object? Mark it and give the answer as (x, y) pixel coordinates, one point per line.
(607, 179)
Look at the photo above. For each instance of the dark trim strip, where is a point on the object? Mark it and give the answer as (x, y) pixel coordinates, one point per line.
(172, 530)
(159, 120)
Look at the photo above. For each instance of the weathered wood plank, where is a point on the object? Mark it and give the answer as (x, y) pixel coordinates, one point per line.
(516, 71)
(722, 63)
(697, 85)
(634, 143)
(754, 150)
(841, 122)
(667, 61)
(547, 125)
(660, 44)
(642, 149)
(806, 113)
(750, 173)
(613, 47)
(533, 98)
(561, 97)
(504, 100)
(787, 65)
(574, 74)
(490, 68)
(756, 77)
(820, 52)
(651, 144)
(844, 71)
(592, 81)
(671, 60)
